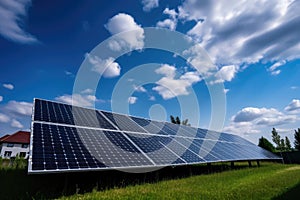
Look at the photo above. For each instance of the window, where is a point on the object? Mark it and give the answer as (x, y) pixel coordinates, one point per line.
(7, 154)
(24, 145)
(22, 154)
(10, 145)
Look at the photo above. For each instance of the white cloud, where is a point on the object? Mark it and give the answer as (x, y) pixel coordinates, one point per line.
(68, 73)
(294, 106)
(274, 68)
(133, 40)
(226, 73)
(132, 100)
(167, 23)
(149, 4)
(107, 67)
(1, 98)
(169, 86)
(276, 72)
(152, 98)
(245, 32)
(16, 124)
(8, 86)
(294, 87)
(226, 91)
(248, 114)
(4, 118)
(12, 15)
(139, 88)
(87, 91)
(196, 56)
(167, 70)
(171, 12)
(78, 99)
(252, 120)
(19, 108)
(170, 23)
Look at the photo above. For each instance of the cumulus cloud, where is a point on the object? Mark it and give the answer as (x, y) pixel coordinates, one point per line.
(12, 15)
(139, 88)
(19, 108)
(8, 86)
(16, 124)
(251, 120)
(106, 67)
(133, 40)
(149, 4)
(196, 56)
(250, 113)
(246, 32)
(226, 73)
(170, 23)
(1, 98)
(294, 106)
(169, 86)
(167, 23)
(132, 100)
(4, 118)
(78, 99)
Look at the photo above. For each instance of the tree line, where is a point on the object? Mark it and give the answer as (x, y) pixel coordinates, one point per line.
(176, 120)
(282, 144)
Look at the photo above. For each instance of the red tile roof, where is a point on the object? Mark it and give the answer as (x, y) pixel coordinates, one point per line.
(5, 136)
(22, 137)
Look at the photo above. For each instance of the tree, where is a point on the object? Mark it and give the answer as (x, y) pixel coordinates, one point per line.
(297, 139)
(276, 138)
(288, 145)
(185, 122)
(282, 145)
(172, 119)
(178, 120)
(266, 144)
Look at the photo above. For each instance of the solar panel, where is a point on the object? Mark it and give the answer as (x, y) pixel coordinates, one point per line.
(66, 138)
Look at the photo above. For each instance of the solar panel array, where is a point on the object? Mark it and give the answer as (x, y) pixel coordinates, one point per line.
(69, 138)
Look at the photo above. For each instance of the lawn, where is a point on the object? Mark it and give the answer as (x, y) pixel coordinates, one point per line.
(271, 181)
(219, 181)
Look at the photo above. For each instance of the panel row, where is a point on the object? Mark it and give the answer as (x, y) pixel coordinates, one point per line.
(56, 147)
(46, 111)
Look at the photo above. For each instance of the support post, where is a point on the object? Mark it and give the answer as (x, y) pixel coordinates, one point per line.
(232, 164)
(250, 164)
(258, 164)
(209, 167)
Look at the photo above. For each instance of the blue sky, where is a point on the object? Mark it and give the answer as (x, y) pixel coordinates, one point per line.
(254, 47)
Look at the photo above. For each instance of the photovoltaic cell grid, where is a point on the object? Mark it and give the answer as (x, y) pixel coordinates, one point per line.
(67, 138)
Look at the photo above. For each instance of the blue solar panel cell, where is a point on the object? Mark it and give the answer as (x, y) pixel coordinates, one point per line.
(155, 147)
(148, 126)
(67, 114)
(123, 122)
(164, 130)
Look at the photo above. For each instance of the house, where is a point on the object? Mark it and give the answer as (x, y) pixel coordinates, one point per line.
(15, 145)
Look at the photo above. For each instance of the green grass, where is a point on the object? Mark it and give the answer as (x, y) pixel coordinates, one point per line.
(270, 181)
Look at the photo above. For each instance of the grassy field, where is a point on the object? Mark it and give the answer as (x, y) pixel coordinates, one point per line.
(219, 181)
(271, 181)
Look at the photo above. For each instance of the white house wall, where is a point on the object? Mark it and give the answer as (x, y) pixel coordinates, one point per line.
(16, 149)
